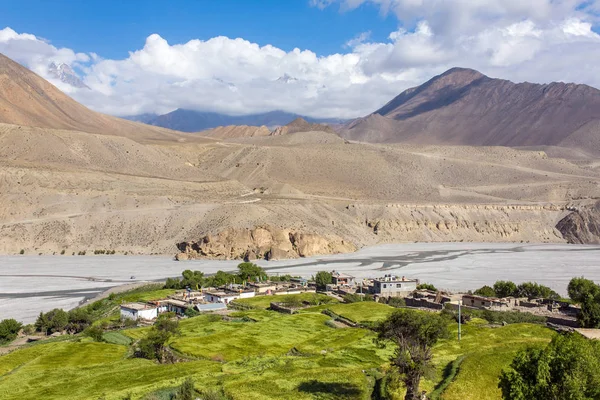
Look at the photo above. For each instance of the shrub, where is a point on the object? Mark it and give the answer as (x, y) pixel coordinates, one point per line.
(62, 252)
(95, 332)
(396, 302)
(191, 312)
(22, 251)
(9, 329)
(485, 291)
(426, 286)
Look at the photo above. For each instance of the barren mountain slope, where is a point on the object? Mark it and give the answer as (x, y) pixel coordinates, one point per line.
(27, 99)
(88, 192)
(236, 131)
(464, 107)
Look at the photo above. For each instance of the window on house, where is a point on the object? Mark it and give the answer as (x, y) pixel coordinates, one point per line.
(398, 285)
(384, 285)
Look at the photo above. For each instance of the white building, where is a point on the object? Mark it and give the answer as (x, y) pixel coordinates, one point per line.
(137, 311)
(393, 286)
(227, 297)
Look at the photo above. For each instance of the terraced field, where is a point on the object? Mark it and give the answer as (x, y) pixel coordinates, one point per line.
(259, 354)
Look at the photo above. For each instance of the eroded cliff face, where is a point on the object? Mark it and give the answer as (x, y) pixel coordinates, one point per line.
(582, 225)
(351, 227)
(265, 242)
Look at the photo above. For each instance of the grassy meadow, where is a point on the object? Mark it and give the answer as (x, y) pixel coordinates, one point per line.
(260, 354)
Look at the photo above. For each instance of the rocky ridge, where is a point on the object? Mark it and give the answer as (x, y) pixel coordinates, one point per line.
(582, 225)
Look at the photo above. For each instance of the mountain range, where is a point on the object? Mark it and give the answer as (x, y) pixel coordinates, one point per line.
(465, 107)
(196, 121)
(73, 179)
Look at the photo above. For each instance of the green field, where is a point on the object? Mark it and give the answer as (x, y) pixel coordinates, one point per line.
(264, 302)
(259, 354)
(364, 311)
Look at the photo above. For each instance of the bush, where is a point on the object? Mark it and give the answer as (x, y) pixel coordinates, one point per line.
(322, 279)
(485, 291)
(22, 251)
(53, 321)
(9, 329)
(426, 286)
(95, 332)
(62, 252)
(396, 302)
(191, 312)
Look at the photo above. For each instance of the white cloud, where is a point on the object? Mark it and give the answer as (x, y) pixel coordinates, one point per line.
(536, 41)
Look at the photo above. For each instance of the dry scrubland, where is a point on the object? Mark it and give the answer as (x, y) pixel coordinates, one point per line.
(76, 191)
(260, 354)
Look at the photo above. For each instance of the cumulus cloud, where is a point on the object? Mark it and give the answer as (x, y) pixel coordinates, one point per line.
(536, 41)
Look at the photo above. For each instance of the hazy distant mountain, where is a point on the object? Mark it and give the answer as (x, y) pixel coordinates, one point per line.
(27, 99)
(196, 121)
(145, 118)
(65, 73)
(465, 107)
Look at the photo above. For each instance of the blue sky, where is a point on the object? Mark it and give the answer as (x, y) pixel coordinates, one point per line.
(238, 56)
(112, 28)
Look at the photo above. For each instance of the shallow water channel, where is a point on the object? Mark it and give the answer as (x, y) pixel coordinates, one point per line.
(30, 284)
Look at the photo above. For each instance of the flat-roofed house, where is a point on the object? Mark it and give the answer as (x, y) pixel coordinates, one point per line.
(340, 279)
(393, 286)
(137, 311)
(177, 306)
(227, 297)
(472, 300)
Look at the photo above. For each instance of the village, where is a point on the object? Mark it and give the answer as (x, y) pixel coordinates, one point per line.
(389, 289)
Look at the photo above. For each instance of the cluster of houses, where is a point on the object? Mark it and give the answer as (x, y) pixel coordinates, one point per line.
(212, 299)
(382, 289)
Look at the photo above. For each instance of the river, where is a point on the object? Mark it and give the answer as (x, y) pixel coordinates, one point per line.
(30, 284)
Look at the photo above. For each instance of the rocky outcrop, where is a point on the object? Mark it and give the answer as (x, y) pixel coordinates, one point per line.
(582, 225)
(263, 242)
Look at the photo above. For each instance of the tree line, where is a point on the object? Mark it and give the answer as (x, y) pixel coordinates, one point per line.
(531, 290)
(247, 272)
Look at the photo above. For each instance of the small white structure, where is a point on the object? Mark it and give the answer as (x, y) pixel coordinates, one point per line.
(227, 297)
(137, 311)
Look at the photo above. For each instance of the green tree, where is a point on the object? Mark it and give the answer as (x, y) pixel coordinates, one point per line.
(9, 329)
(427, 286)
(251, 272)
(485, 291)
(95, 332)
(53, 321)
(533, 290)
(568, 368)
(167, 322)
(414, 333)
(153, 346)
(192, 279)
(186, 391)
(322, 279)
(505, 289)
(587, 294)
(222, 278)
(173, 283)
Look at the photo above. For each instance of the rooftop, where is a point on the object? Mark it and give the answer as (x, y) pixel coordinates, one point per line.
(394, 278)
(138, 306)
(593, 334)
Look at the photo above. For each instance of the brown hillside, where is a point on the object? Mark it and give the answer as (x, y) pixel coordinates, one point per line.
(464, 107)
(301, 125)
(29, 100)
